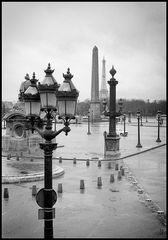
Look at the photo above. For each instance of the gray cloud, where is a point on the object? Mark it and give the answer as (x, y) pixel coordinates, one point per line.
(131, 35)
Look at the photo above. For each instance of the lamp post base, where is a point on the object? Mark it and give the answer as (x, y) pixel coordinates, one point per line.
(138, 145)
(158, 140)
(125, 134)
(111, 146)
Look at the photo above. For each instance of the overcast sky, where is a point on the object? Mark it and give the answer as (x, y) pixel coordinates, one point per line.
(130, 35)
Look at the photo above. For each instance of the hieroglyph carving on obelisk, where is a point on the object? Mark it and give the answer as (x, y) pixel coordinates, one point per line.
(95, 103)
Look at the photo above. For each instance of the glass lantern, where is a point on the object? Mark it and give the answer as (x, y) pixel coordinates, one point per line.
(32, 98)
(47, 90)
(67, 96)
(138, 114)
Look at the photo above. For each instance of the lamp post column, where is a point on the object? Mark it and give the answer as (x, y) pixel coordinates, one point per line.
(88, 124)
(158, 118)
(112, 119)
(92, 116)
(129, 117)
(120, 103)
(141, 119)
(48, 147)
(124, 124)
(146, 117)
(138, 117)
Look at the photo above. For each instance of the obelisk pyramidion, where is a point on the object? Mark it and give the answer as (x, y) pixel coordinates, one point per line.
(95, 103)
(103, 90)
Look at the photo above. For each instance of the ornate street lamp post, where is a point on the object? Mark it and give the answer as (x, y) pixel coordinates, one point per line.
(147, 109)
(88, 133)
(124, 118)
(129, 117)
(49, 97)
(158, 119)
(138, 117)
(141, 119)
(112, 139)
(146, 117)
(120, 103)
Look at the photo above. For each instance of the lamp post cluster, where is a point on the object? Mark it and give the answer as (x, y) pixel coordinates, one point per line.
(51, 98)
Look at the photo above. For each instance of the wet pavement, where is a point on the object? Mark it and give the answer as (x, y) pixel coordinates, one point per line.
(116, 210)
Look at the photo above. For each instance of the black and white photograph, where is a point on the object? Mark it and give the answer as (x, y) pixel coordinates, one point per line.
(84, 120)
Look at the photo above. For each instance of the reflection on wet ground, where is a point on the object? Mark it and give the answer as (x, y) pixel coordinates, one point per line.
(114, 210)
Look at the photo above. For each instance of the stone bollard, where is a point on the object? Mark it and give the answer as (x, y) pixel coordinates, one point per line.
(116, 166)
(82, 184)
(162, 231)
(140, 191)
(99, 182)
(160, 212)
(99, 163)
(119, 174)
(74, 161)
(17, 157)
(31, 159)
(6, 193)
(34, 190)
(87, 162)
(122, 172)
(60, 159)
(60, 188)
(112, 177)
(109, 165)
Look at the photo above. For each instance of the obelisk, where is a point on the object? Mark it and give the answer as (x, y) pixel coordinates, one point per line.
(95, 103)
(103, 90)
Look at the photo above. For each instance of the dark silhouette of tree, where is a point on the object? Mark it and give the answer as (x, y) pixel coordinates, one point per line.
(129, 105)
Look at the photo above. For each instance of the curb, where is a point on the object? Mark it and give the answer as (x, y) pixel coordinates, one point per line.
(31, 177)
(94, 158)
(114, 159)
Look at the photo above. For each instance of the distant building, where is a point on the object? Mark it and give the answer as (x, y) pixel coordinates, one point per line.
(18, 136)
(8, 104)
